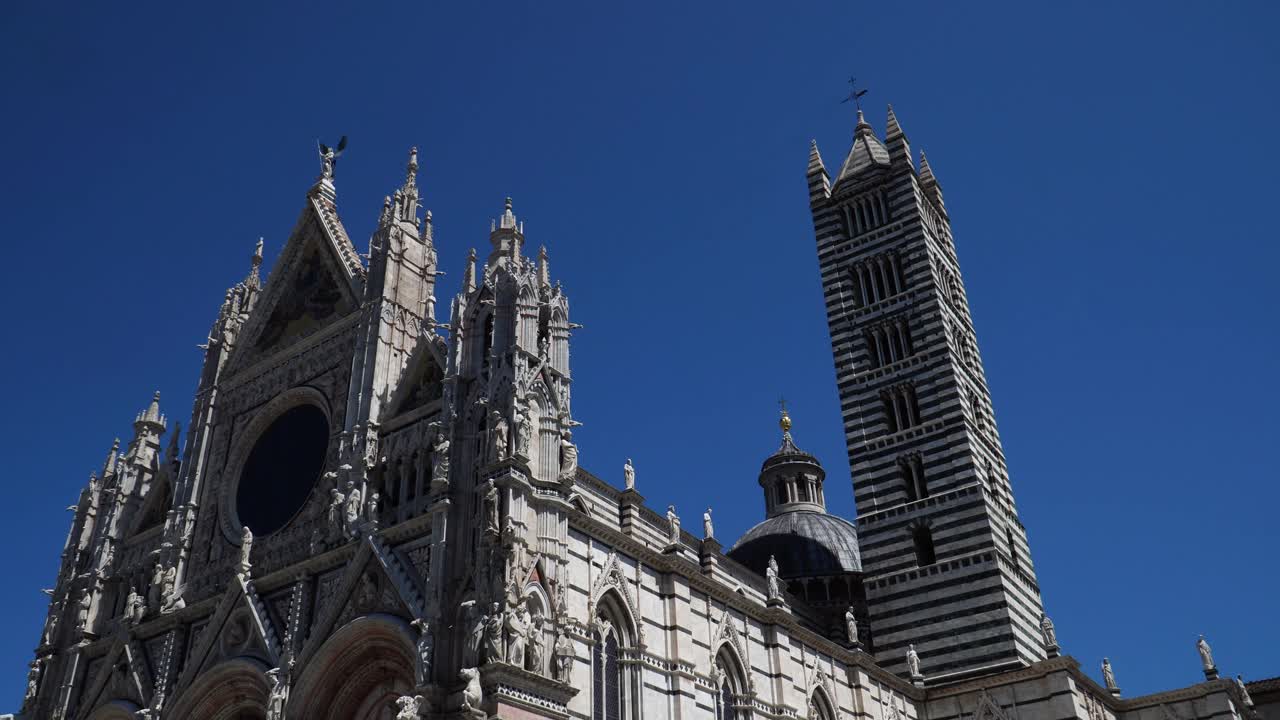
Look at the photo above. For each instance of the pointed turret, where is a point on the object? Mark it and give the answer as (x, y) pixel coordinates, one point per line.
(544, 271)
(469, 275)
(151, 419)
(867, 153)
(109, 466)
(928, 183)
(896, 140)
(253, 280)
(819, 182)
(506, 235)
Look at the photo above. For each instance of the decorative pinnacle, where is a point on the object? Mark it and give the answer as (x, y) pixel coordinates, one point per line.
(257, 254)
(784, 422)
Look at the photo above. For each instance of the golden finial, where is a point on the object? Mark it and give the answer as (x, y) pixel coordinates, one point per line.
(785, 421)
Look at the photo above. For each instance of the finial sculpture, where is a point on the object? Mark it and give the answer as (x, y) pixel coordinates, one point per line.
(1109, 678)
(629, 475)
(1206, 659)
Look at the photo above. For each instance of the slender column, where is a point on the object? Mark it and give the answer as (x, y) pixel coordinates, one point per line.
(864, 280)
(898, 280)
(884, 277)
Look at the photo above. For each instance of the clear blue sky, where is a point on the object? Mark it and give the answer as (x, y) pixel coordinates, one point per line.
(1110, 170)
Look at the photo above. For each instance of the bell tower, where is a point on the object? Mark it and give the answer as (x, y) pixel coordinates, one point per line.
(946, 562)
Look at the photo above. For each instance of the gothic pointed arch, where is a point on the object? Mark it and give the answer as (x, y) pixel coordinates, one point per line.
(357, 673)
(422, 379)
(369, 586)
(612, 582)
(155, 506)
(731, 680)
(727, 642)
(988, 708)
(239, 629)
(821, 706)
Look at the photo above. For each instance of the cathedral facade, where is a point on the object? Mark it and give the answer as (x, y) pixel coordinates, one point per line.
(377, 514)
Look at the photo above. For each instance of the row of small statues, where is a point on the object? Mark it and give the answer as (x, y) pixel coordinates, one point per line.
(673, 520)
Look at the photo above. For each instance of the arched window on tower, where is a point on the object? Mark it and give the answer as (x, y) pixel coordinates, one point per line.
(922, 539)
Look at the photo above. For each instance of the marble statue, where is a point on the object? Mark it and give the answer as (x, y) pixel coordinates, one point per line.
(279, 694)
(371, 508)
(629, 475)
(492, 507)
(493, 634)
(913, 661)
(771, 576)
(851, 626)
(408, 707)
(563, 656)
(354, 507)
(1244, 692)
(1046, 629)
(537, 652)
(82, 614)
(708, 530)
(673, 525)
(1109, 675)
(425, 646)
(568, 458)
(1206, 656)
(169, 595)
(524, 431)
(440, 460)
(475, 621)
(497, 436)
(33, 681)
(517, 628)
(134, 607)
(246, 546)
(473, 693)
(155, 593)
(336, 504)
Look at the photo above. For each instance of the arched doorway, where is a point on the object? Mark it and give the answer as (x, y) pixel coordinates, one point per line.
(232, 690)
(357, 673)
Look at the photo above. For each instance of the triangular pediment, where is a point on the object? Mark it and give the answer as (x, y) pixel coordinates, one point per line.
(422, 381)
(312, 285)
(240, 627)
(373, 583)
(119, 675)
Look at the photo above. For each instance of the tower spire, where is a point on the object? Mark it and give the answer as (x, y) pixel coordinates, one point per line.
(506, 235)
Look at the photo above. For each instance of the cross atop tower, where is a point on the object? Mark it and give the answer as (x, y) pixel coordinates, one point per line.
(855, 94)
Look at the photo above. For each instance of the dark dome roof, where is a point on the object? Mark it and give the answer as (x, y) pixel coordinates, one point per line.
(805, 544)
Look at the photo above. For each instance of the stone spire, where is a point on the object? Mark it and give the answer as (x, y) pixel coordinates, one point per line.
(109, 466)
(469, 275)
(544, 270)
(506, 235)
(407, 196)
(253, 280)
(929, 183)
(819, 182)
(896, 140)
(151, 419)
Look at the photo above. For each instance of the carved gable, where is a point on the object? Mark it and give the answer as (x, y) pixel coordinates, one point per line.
(240, 627)
(308, 289)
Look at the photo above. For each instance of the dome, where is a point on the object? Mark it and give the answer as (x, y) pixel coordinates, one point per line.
(806, 544)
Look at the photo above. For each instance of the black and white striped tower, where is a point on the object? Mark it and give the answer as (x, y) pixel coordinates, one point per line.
(946, 558)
